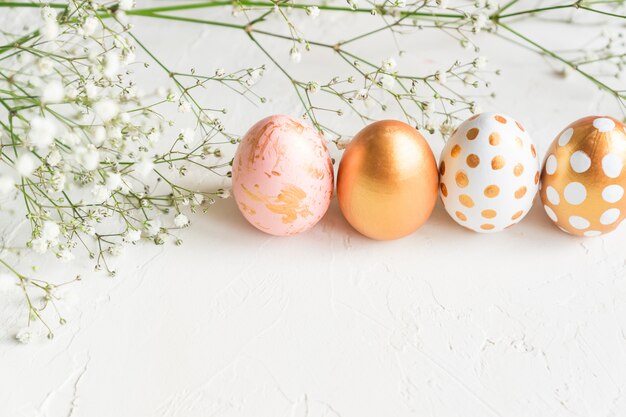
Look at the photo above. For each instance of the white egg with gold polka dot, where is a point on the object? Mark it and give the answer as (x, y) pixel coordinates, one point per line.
(489, 173)
(583, 179)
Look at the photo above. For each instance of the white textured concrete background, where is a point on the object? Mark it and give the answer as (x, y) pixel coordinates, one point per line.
(528, 322)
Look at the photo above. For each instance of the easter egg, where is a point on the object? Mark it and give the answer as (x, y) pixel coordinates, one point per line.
(282, 176)
(583, 180)
(387, 180)
(489, 173)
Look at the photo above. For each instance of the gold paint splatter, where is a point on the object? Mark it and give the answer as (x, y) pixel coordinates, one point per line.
(461, 179)
(537, 177)
(500, 119)
(492, 191)
(466, 200)
(461, 216)
(456, 151)
(521, 191)
(444, 189)
(442, 168)
(288, 202)
(494, 139)
(472, 160)
(488, 214)
(498, 162)
(520, 126)
(518, 170)
(533, 151)
(472, 133)
(487, 226)
(517, 215)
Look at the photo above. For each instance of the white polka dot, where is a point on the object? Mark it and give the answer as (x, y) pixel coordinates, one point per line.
(610, 216)
(551, 165)
(553, 195)
(578, 222)
(592, 233)
(580, 162)
(612, 165)
(551, 214)
(603, 124)
(612, 193)
(566, 136)
(575, 193)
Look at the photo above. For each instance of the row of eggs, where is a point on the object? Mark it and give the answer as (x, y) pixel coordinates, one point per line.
(388, 179)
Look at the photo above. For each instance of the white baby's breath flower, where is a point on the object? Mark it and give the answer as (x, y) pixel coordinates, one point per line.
(45, 66)
(111, 64)
(91, 91)
(106, 109)
(89, 157)
(131, 236)
(187, 135)
(24, 336)
(100, 193)
(39, 245)
(114, 181)
(7, 184)
(181, 220)
(65, 255)
(362, 94)
(99, 135)
(89, 26)
(50, 231)
(480, 62)
(197, 199)
(184, 106)
(389, 64)
(126, 4)
(387, 81)
(52, 92)
(41, 133)
(25, 164)
(224, 193)
(313, 11)
(295, 55)
(312, 87)
(441, 77)
(57, 181)
(116, 250)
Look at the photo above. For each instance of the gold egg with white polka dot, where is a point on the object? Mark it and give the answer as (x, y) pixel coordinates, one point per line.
(583, 180)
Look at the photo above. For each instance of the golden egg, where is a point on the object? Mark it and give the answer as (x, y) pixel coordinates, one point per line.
(583, 180)
(387, 181)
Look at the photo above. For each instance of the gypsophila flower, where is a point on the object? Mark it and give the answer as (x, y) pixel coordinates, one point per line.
(387, 81)
(144, 167)
(441, 77)
(313, 11)
(181, 220)
(89, 26)
(106, 109)
(24, 336)
(25, 164)
(198, 199)
(39, 245)
(480, 62)
(65, 255)
(313, 87)
(295, 55)
(132, 236)
(52, 92)
(389, 64)
(41, 133)
(126, 4)
(153, 227)
(362, 94)
(111, 64)
(50, 231)
(187, 135)
(7, 184)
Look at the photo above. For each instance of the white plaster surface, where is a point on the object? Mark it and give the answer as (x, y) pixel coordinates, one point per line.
(445, 322)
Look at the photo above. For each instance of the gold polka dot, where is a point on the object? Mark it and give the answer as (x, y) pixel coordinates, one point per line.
(517, 215)
(500, 119)
(472, 160)
(456, 151)
(518, 169)
(487, 226)
(533, 151)
(466, 200)
(444, 189)
(491, 191)
(461, 179)
(442, 168)
(519, 142)
(472, 133)
(520, 126)
(473, 117)
(488, 214)
(521, 191)
(497, 162)
(461, 216)
(494, 139)
(537, 177)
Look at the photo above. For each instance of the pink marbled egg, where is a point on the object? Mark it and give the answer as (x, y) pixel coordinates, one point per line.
(282, 176)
